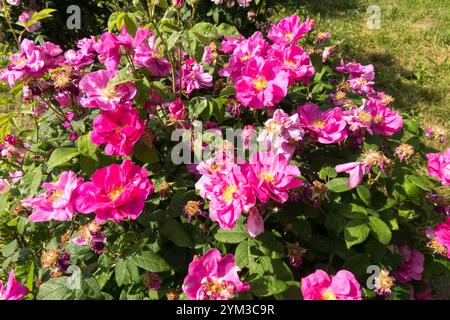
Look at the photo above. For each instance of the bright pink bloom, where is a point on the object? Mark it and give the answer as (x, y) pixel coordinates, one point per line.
(213, 277)
(270, 176)
(361, 77)
(290, 30)
(177, 109)
(78, 59)
(329, 126)
(102, 93)
(228, 192)
(32, 60)
(58, 202)
(13, 290)
(193, 76)
(296, 62)
(115, 192)
(412, 266)
(440, 238)
(320, 286)
(439, 166)
(148, 55)
(383, 120)
(244, 50)
(119, 130)
(356, 170)
(263, 84)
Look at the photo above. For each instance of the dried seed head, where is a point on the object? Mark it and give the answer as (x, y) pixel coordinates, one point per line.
(173, 294)
(49, 258)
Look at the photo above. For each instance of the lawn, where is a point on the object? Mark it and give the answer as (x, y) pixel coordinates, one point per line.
(410, 51)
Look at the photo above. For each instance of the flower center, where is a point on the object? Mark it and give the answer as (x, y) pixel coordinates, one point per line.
(228, 193)
(245, 57)
(437, 247)
(378, 119)
(116, 192)
(55, 194)
(288, 35)
(109, 92)
(267, 176)
(384, 283)
(318, 123)
(290, 63)
(217, 288)
(327, 294)
(364, 117)
(260, 83)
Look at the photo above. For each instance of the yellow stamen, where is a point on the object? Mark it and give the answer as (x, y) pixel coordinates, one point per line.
(260, 83)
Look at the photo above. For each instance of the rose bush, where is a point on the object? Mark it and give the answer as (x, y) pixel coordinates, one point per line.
(323, 191)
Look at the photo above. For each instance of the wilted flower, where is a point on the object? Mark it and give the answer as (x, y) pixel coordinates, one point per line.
(92, 234)
(384, 283)
(404, 151)
(152, 280)
(295, 254)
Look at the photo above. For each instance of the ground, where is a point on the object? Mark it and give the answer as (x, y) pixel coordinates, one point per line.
(410, 51)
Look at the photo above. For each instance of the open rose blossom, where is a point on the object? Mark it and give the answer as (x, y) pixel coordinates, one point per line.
(119, 130)
(271, 177)
(440, 238)
(58, 202)
(213, 277)
(321, 286)
(115, 192)
(263, 84)
(439, 166)
(290, 30)
(102, 93)
(412, 266)
(229, 194)
(13, 290)
(328, 126)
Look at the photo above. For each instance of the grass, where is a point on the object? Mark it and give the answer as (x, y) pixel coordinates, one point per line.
(410, 51)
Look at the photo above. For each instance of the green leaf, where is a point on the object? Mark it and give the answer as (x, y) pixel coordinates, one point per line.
(55, 289)
(412, 126)
(175, 232)
(121, 272)
(338, 185)
(9, 249)
(327, 172)
(145, 154)
(355, 231)
(31, 181)
(421, 181)
(205, 31)
(364, 194)
(196, 106)
(271, 246)
(242, 254)
(61, 156)
(380, 230)
(86, 147)
(150, 261)
(357, 264)
(235, 235)
(267, 286)
(225, 29)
